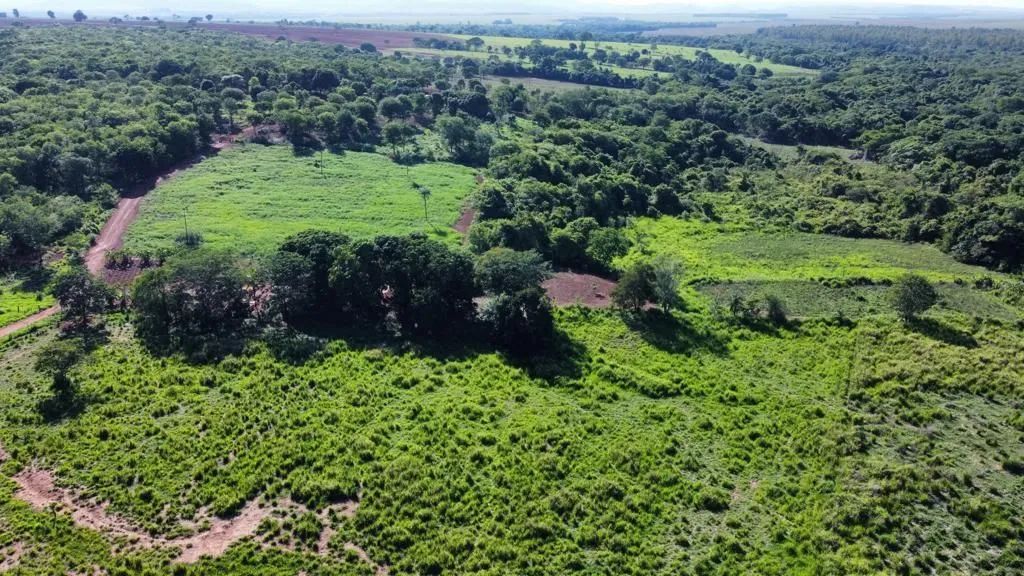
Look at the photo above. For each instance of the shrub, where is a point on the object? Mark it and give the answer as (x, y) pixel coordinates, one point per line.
(912, 295)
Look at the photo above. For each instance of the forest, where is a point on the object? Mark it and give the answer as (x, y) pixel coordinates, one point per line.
(294, 307)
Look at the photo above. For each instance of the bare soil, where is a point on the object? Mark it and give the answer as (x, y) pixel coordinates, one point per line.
(38, 488)
(465, 220)
(568, 288)
(28, 321)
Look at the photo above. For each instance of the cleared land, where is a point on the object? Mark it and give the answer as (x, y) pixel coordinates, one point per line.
(252, 197)
(728, 252)
(688, 52)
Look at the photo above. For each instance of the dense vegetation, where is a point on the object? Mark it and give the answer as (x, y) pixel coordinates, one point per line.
(812, 365)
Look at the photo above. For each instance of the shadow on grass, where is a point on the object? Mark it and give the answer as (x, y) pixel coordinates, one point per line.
(936, 330)
(559, 357)
(35, 279)
(668, 332)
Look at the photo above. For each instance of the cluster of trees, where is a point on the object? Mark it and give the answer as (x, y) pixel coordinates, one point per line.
(203, 301)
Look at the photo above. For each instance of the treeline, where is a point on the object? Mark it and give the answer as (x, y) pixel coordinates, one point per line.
(202, 302)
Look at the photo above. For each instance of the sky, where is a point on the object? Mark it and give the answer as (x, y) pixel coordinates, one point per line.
(424, 9)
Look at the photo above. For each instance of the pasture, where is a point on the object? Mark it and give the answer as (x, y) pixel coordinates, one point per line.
(716, 252)
(644, 445)
(252, 197)
(687, 52)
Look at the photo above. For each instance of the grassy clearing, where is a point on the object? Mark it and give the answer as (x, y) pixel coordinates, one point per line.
(735, 252)
(658, 446)
(791, 153)
(20, 298)
(251, 197)
(543, 84)
(688, 52)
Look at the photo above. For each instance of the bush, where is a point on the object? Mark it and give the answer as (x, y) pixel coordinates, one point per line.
(912, 295)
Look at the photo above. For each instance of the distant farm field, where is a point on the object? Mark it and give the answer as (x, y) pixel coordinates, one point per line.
(723, 252)
(688, 52)
(252, 197)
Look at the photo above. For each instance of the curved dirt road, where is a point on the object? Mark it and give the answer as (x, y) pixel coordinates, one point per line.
(111, 237)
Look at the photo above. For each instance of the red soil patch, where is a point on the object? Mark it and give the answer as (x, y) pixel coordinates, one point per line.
(465, 220)
(568, 288)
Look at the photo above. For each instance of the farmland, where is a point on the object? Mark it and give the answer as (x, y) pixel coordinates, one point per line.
(656, 50)
(252, 197)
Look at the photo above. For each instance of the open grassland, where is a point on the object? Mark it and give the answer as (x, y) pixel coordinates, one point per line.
(542, 84)
(251, 197)
(663, 445)
(734, 252)
(791, 152)
(19, 298)
(688, 52)
(498, 56)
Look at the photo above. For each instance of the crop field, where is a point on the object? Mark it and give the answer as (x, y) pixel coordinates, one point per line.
(733, 252)
(688, 52)
(252, 197)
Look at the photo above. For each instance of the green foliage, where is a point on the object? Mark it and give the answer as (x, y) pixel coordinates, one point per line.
(195, 303)
(912, 295)
(635, 288)
(253, 197)
(505, 270)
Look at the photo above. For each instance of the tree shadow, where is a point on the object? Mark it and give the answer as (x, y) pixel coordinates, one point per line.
(34, 279)
(560, 356)
(936, 330)
(668, 332)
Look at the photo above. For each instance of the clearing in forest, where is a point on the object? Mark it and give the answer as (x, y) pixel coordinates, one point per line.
(252, 197)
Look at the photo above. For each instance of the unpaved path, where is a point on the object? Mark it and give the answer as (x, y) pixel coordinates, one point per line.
(28, 321)
(111, 237)
(38, 488)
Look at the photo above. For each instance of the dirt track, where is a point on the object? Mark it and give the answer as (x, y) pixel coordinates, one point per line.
(111, 237)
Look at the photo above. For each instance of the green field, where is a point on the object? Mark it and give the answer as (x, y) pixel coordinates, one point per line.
(18, 300)
(657, 447)
(251, 197)
(735, 252)
(688, 52)
(789, 152)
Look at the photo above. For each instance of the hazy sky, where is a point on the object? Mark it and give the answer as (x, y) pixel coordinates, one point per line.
(423, 9)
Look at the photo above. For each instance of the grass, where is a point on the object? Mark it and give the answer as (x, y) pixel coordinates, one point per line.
(251, 197)
(688, 52)
(18, 299)
(647, 446)
(541, 84)
(791, 153)
(717, 252)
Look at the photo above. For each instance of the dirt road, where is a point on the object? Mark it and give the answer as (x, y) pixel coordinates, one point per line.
(111, 237)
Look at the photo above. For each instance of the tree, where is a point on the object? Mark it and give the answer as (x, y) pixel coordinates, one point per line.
(475, 43)
(79, 16)
(290, 277)
(520, 321)
(635, 287)
(80, 295)
(209, 17)
(57, 359)
(502, 270)
(667, 273)
(395, 134)
(51, 14)
(319, 247)
(367, 47)
(912, 295)
(16, 13)
(192, 303)
(425, 194)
